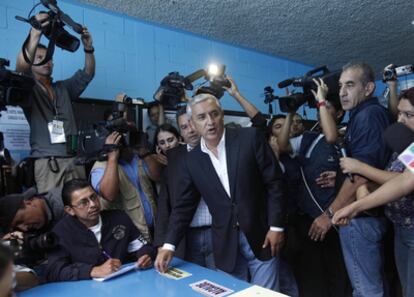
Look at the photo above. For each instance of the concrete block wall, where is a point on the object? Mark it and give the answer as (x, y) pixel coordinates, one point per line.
(133, 56)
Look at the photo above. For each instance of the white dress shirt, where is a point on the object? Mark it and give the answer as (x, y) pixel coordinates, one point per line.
(220, 166)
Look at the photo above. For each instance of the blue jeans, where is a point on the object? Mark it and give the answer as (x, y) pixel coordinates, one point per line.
(287, 280)
(199, 247)
(262, 273)
(362, 247)
(404, 258)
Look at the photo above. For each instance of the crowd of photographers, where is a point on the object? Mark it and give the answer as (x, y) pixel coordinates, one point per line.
(313, 216)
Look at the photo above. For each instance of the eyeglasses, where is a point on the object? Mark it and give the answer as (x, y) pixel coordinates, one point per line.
(85, 202)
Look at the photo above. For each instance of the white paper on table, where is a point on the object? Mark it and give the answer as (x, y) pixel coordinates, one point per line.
(124, 269)
(257, 291)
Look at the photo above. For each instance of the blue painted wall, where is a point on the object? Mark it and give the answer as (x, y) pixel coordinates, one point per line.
(133, 55)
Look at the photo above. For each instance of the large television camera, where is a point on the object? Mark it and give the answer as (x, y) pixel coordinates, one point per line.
(292, 102)
(91, 141)
(15, 87)
(172, 87)
(33, 248)
(54, 31)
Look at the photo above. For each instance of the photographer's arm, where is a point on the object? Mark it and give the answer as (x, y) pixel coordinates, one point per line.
(393, 100)
(284, 136)
(161, 115)
(109, 186)
(30, 48)
(89, 56)
(326, 120)
(249, 108)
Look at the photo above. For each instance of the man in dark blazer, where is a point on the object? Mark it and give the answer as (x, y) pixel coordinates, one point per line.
(238, 176)
(197, 246)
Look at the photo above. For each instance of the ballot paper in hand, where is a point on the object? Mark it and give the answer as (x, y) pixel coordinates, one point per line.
(122, 270)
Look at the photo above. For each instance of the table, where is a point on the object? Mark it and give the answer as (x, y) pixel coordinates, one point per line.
(142, 283)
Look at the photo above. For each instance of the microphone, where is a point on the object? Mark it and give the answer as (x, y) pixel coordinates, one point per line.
(285, 83)
(344, 155)
(195, 75)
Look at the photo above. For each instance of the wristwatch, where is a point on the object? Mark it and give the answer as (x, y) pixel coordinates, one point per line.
(329, 212)
(89, 51)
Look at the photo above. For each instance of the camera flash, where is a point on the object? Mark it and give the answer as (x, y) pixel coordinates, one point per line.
(216, 69)
(213, 69)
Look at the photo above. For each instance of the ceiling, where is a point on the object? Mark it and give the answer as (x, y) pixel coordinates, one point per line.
(314, 32)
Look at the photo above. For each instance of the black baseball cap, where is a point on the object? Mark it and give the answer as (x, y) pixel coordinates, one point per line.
(10, 204)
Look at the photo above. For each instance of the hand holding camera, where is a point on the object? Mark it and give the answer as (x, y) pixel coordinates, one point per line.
(233, 90)
(86, 38)
(392, 72)
(322, 91)
(113, 140)
(40, 22)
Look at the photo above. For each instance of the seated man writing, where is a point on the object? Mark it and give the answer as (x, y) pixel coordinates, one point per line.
(93, 243)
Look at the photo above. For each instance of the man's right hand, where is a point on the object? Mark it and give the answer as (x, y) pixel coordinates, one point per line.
(233, 90)
(322, 92)
(163, 260)
(14, 235)
(113, 138)
(110, 266)
(43, 19)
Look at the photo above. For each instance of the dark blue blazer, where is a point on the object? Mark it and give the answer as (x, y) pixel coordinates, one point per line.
(256, 201)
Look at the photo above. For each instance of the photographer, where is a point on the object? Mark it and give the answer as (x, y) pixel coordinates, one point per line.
(30, 211)
(49, 110)
(124, 183)
(28, 218)
(320, 253)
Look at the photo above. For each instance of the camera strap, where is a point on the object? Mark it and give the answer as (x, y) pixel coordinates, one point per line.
(312, 196)
(50, 48)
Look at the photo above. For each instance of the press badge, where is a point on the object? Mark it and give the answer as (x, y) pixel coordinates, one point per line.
(56, 132)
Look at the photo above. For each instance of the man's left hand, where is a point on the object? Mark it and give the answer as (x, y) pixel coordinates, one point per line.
(144, 262)
(86, 38)
(320, 227)
(275, 239)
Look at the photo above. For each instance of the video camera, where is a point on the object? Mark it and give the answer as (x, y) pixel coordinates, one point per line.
(91, 142)
(172, 87)
(393, 72)
(54, 31)
(34, 247)
(292, 102)
(15, 87)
